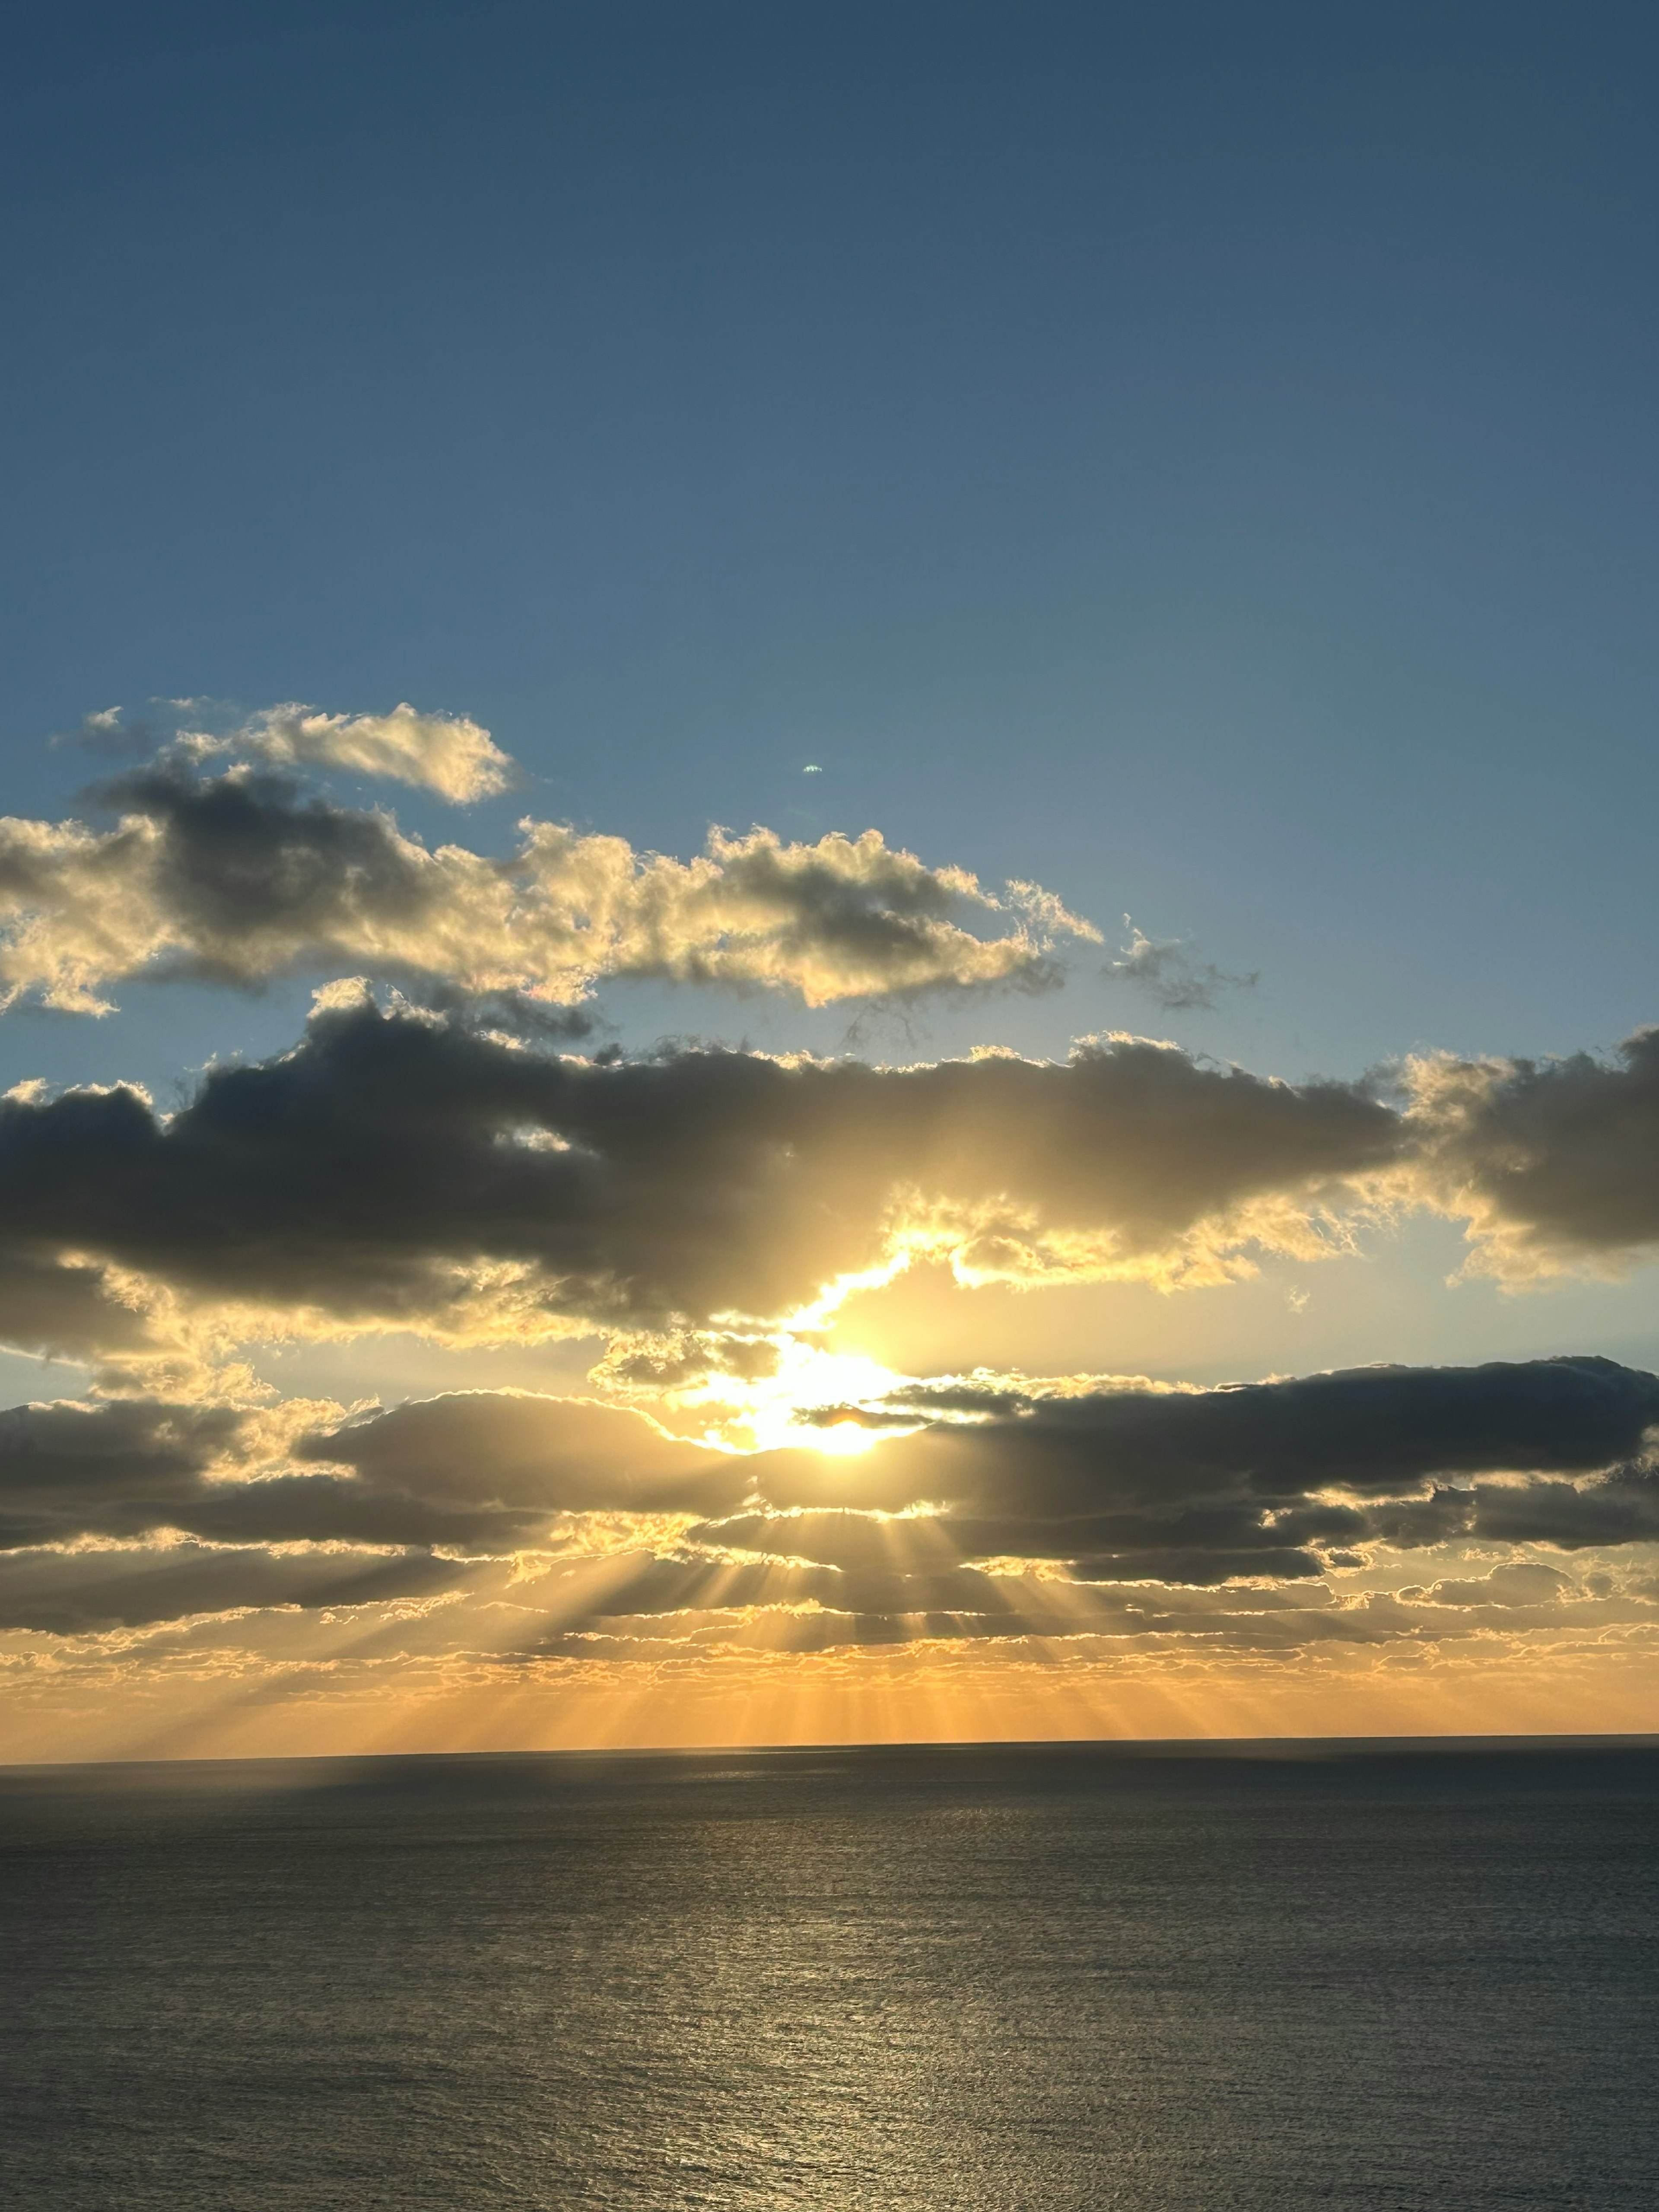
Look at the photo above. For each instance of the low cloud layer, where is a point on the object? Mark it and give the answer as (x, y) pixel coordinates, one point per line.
(1150, 1512)
(1265, 1478)
(91, 1592)
(241, 875)
(483, 1472)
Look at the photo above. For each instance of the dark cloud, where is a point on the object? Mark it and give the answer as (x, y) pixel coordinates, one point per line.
(357, 1173)
(644, 1584)
(1619, 1507)
(1204, 1486)
(82, 1592)
(68, 1309)
(116, 1470)
(1521, 1583)
(976, 1609)
(501, 1450)
(254, 876)
(1168, 1485)
(1069, 1511)
(1381, 1430)
(1216, 1546)
(114, 735)
(471, 1474)
(1552, 1160)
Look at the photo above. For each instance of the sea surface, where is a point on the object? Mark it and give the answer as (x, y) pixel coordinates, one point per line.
(1383, 1978)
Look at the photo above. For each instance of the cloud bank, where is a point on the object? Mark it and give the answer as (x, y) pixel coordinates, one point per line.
(242, 877)
(399, 1168)
(1128, 1512)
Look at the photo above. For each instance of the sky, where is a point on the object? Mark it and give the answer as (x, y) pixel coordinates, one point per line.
(825, 910)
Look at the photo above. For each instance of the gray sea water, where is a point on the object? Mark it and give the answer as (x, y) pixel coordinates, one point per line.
(1041, 1979)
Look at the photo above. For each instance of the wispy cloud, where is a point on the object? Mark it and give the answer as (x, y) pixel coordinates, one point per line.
(1168, 969)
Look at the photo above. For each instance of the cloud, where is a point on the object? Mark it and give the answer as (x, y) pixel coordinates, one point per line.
(448, 754)
(479, 1474)
(70, 1470)
(1619, 1507)
(1521, 1583)
(511, 1449)
(404, 1169)
(1167, 969)
(1256, 1479)
(1383, 1429)
(1133, 1511)
(397, 1169)
(71, 1308)
(1554, 1163)
(82, 1593)
(241, 877)
(446, 1168)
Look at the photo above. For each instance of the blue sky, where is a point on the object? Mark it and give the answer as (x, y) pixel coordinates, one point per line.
(1200, 458)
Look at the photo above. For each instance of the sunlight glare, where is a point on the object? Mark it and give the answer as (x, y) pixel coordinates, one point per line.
(843, 1439)
(770, 1412)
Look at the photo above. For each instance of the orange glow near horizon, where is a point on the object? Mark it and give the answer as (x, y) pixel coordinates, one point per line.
(921, 1693)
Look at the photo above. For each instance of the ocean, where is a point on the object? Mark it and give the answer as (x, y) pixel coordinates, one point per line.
(1050, 1979)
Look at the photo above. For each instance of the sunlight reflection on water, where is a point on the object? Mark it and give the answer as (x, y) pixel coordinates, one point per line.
(901, 1981)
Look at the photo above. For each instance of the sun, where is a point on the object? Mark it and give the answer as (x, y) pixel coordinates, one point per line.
(784, 1411)
(842, 1439)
